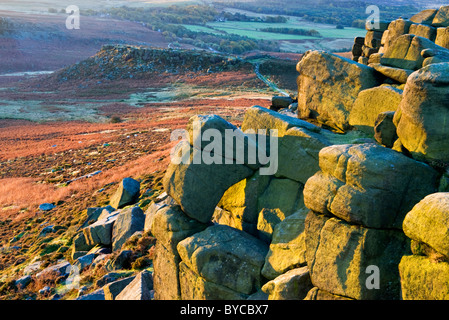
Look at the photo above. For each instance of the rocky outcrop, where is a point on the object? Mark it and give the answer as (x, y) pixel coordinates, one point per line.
(425, 274)
(405, 52)
(339, 256)
(368, 184)
(340, 218)
(328, 86)
(421, 117)
(356, 215)
(170, 226)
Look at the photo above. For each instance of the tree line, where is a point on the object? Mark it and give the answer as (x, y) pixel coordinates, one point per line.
(294, 31)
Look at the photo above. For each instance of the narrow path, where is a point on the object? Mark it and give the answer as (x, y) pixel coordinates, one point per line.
(269, 83)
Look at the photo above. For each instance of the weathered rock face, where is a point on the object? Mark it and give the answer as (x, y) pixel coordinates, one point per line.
(298, 153)
(423, 279)
(428, 222)
(424, 17)
(422, 116)
(293, 285)
(138, 289)
(221, 258)
(232, 142)
(127, 193)
(328, 86)
(101, 231)
(282, 198)
(128, 222)
(170, 226)
(299, 142)
(396, 29)
(113, 289)
(441, 18)
(370, 103)
(239, 204)
(287, 247)
(442, 37)
(425, 274)
(339, 256)
(405, 52)
(191, 186)
(424, 31)
(368, 185)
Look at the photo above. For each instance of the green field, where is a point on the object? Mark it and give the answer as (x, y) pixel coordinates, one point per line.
(332, 39)
(251, 30)
(196, 28)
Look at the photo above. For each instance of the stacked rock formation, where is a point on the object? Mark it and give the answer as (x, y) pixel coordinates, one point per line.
(425, 274)
(343, 216)
(358, 202)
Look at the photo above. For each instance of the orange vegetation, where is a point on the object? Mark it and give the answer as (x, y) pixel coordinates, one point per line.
(36, 159)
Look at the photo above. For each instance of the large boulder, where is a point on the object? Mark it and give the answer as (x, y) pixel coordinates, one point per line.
(293, 285)
(340, 256)
(428, 222)
(229, 142)
(424, 17)
(423, 114)
(128, 222)
(100, 233)
(328, 86)
(368, 184)
(441, 18)
(171, 225)
(127, 193)
(298, 152)
(113, 289)
(225, 257)
(370, 103)
(423, 279)
(139, 288)
(396, 29)
(195, 287)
